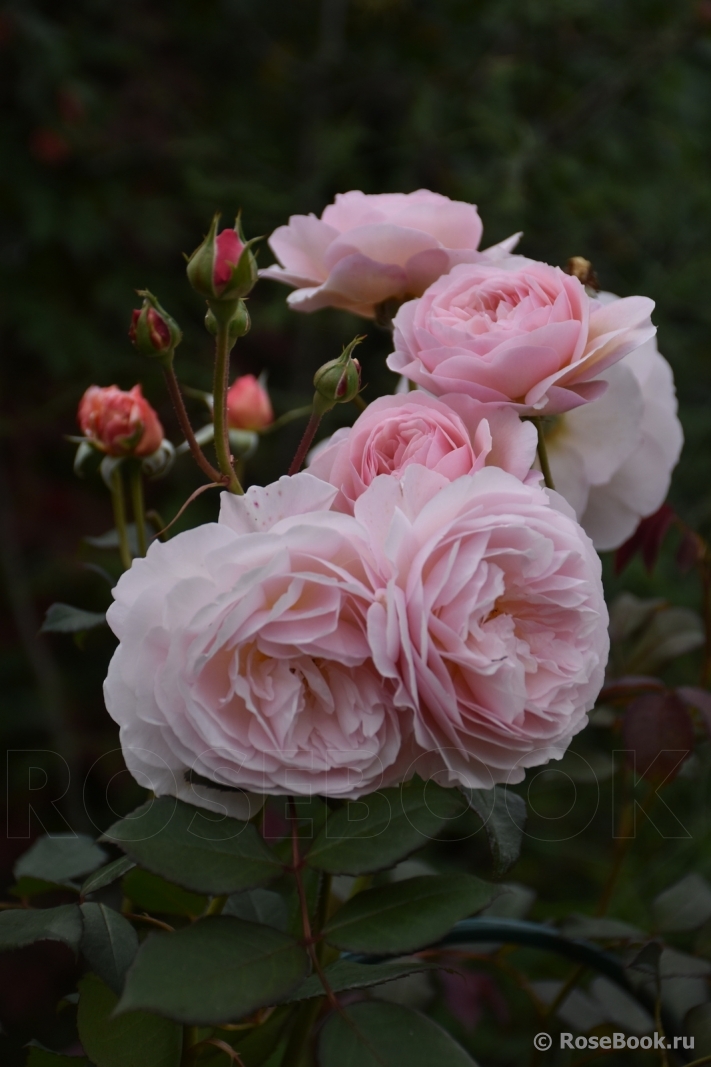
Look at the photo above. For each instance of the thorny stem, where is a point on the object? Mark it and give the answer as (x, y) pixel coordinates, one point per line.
(197, 453)
(221, 382)
(190, 1041)
(309, 434)
(148, 919)
(139, 509)
(542, 453)
(305, 920)
(120, 517)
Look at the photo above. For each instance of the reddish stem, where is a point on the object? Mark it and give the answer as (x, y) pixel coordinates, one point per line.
(305, 445)
(305, 920)
(197, 453)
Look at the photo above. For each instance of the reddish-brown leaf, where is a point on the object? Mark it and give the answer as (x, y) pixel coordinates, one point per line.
(646, 540)
(658, 733)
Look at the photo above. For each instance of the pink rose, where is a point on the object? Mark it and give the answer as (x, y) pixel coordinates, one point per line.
(519, 332)
(244, 658)
(228, 249)
(491, 619)
(452, 436)
(612, 460)
(248, 404)
(119, 423)
(369, 248)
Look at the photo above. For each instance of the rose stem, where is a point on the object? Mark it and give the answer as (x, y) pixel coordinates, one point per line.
(309, 434)
(542, 454)
(221, 382)
(197, 453)
(139, 510)
(305, 920)
(120, 517)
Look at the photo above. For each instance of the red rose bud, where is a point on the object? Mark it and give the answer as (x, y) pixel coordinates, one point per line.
(223, 267)
(152, 330)
(119, 423)
(248, 404)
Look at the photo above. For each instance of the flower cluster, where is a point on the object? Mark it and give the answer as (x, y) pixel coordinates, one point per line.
(418, 601)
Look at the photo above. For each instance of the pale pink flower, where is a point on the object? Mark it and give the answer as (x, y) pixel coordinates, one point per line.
(612, 460)
(366, 249)
(244, 658)
(519, 332)
(452, 436)
(492, 621)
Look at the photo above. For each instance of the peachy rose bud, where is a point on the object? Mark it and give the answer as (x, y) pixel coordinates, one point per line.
(338, 381)
(119, 423)
(152, 330)
(248, 404)
(223, 267)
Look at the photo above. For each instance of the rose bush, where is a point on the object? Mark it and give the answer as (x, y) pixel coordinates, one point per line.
(519, 332)
(612, 460)
(366, 249)
(452, 436)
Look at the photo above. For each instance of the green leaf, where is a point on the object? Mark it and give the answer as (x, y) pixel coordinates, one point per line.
(26, 887)
(65, 619)
(347, 974)
(377, 1034)
(504, 817)
(60, 858)
(189, 847)
(106, 875)
(406, 916)
(153, 893)
(683, 906)
(698, 1024)
(40, 1057)
(375, 832)
(217, 970)
(23, 926)
(132, 1040)
(256, 1046)
(258, 906)
(109, 944)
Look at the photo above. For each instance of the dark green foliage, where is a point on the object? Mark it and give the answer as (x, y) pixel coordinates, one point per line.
(386, 1035)
(108, 944)
(132, 1040)
(20, 927)
(217, 970)
(204, 853)
(395, 919)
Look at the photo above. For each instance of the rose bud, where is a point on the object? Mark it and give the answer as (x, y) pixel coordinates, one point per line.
(248, 404)
(338, 381)
(223, 267)
(152, 330)
(119, 423)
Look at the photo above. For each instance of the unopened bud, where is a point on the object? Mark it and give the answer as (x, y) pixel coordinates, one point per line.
(583, 270)
(119, 423)
(248, 404)
(153, 331)
(338, 381)
(223, 267)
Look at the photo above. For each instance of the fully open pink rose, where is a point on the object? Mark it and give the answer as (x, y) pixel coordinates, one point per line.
(369, 248)
(612, 460)
(453, 436)
(243, 655)
(492, 621)
(520, 332)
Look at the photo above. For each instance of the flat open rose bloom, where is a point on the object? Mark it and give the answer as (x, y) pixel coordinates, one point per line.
(366, 249)
(518, 332)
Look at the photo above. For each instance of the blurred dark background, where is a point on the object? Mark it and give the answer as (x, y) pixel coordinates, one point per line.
(124, 126)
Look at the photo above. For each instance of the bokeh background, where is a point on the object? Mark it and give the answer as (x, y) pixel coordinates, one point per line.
(586, 124)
